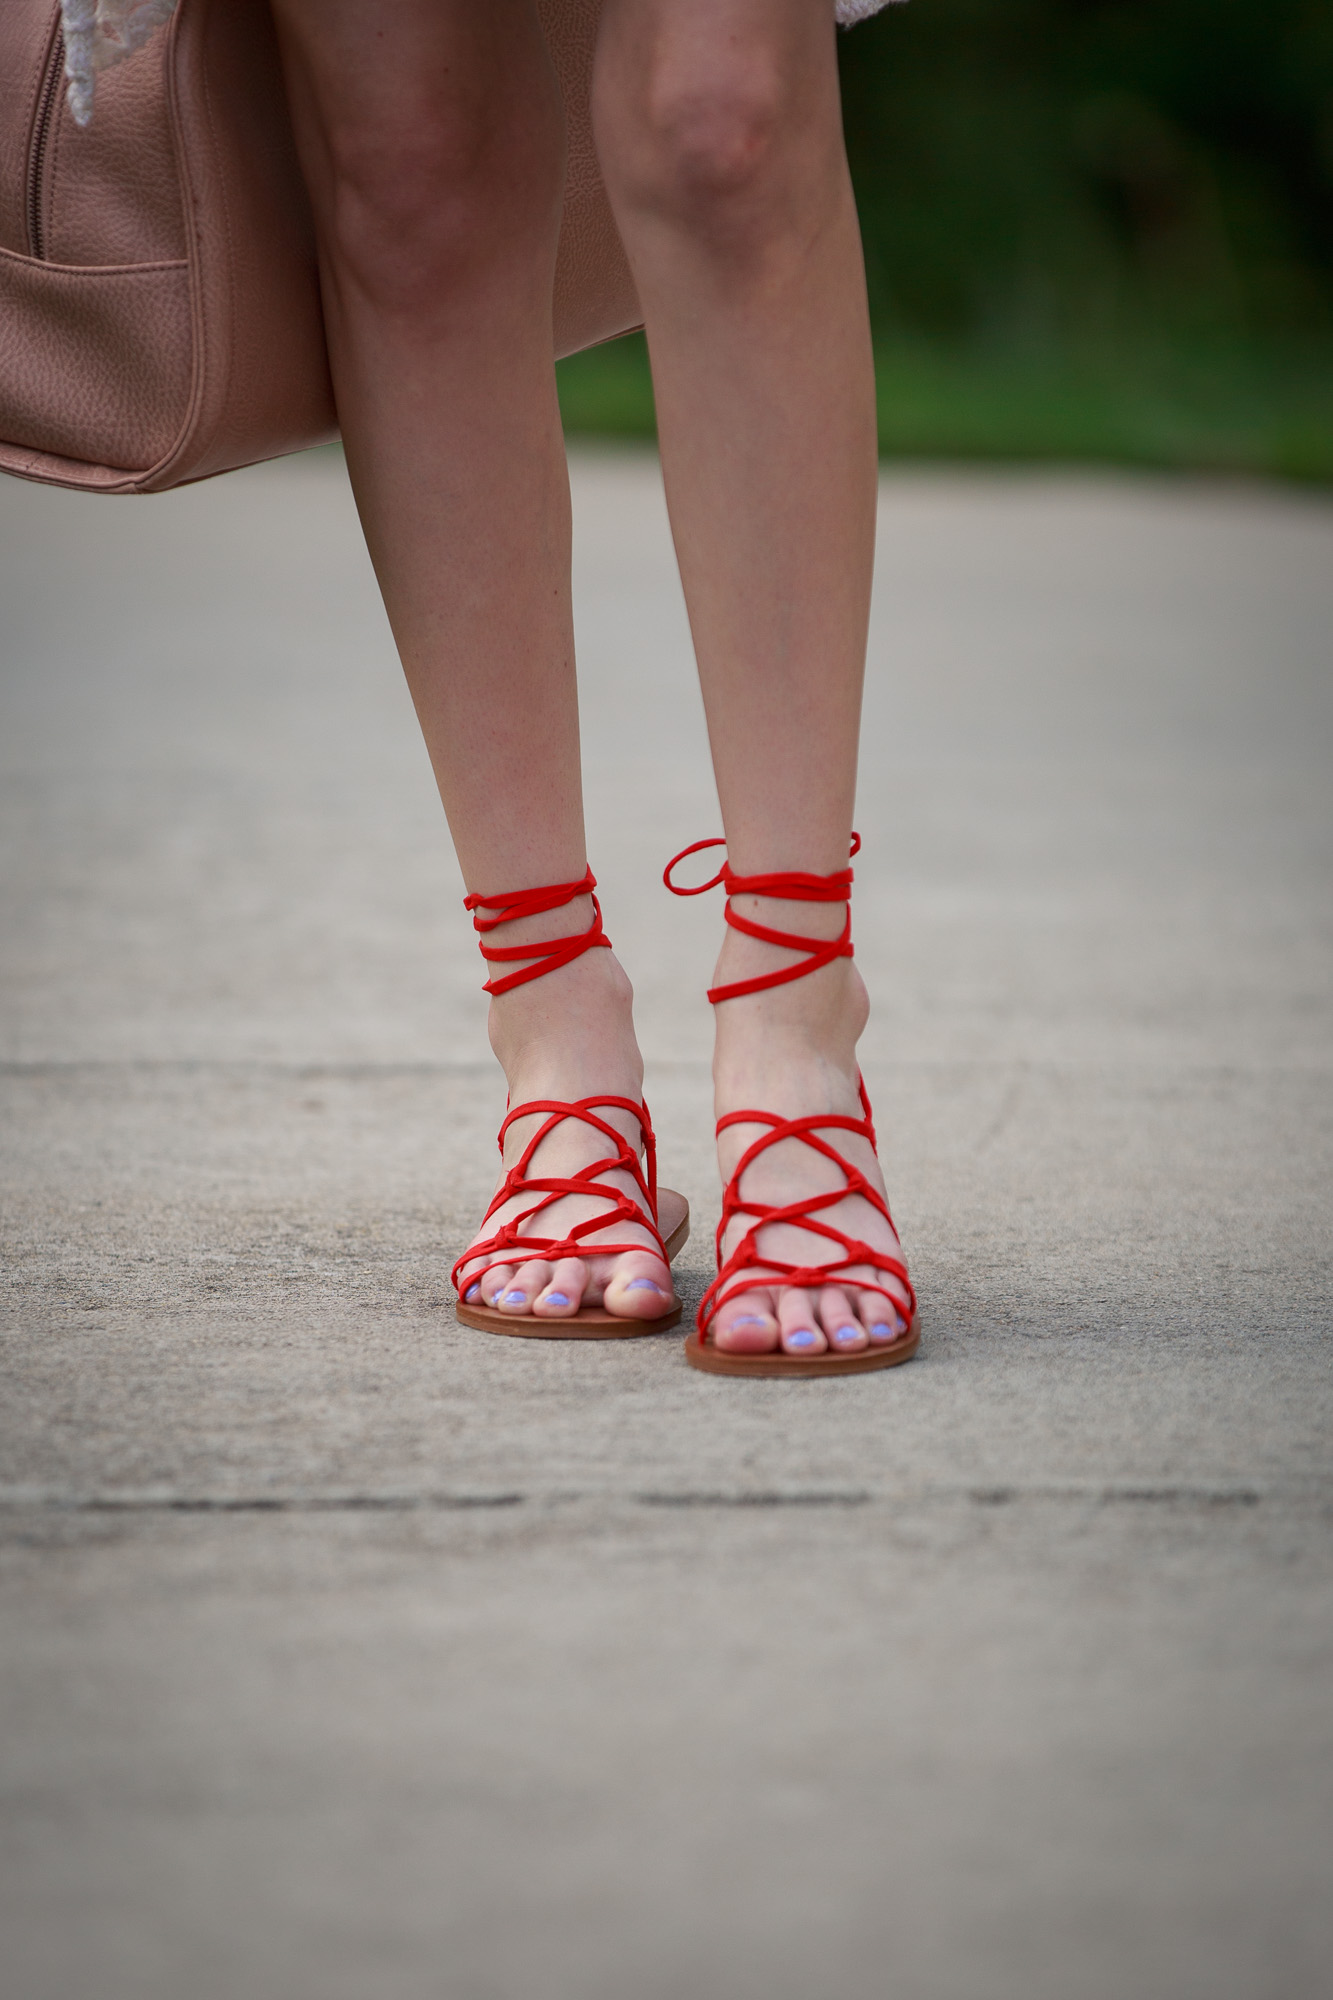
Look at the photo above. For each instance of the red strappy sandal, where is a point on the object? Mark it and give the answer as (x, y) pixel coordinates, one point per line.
(735, 1273)
(665, 1213)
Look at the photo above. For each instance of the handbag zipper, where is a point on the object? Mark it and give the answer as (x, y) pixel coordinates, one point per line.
(42, 126)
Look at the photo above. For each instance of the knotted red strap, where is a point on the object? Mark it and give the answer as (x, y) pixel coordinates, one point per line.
(837, 1257)
(522, 1236)
(793, 888)
(749, 1265)
(550, 953)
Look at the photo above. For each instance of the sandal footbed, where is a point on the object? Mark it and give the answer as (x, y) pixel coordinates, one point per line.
(593, 1322)
(702, 1354)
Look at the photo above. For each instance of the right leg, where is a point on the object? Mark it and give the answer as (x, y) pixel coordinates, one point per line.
(431, 135)
(720, 136)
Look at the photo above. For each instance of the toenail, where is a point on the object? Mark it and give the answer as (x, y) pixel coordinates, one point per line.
(846, 1335)
(749, 1319)
(642, 1285)
(473, 1292)
(516, 1298)
(556, 1299)
(879, 1331)
(801, 1340)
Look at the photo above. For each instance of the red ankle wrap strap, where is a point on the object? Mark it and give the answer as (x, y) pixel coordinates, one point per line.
(550, 953)
(792, 888)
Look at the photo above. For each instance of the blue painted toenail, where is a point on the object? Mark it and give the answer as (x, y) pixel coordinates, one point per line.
(516, 1298)
(846, 1335)
(879, 1331)
(801, 1340)
(556, 1299)
(473, 1292)
(642, 1285)
(749, 1319)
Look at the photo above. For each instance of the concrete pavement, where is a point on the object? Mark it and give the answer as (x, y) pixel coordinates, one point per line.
(345, 1651)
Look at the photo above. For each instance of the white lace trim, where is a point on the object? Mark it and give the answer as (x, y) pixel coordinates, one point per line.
(99, 33)
(849, 12)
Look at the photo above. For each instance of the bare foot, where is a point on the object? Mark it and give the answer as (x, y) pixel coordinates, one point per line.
(792, 1050)
(567, 1036)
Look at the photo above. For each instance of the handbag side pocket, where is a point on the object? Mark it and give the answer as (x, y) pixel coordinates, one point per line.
(95, 361)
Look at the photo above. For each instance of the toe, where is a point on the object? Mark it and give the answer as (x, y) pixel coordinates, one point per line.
(563, 1292)
(883, 1321)
(844, 1331)
(494, 1281)
(801, 1332)
(747, 1325)
(639, 1287)
(523, 1286)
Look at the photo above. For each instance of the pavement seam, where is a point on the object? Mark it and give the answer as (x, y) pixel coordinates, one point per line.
(15, 1500)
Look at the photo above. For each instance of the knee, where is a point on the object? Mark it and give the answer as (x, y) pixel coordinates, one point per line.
(440, 199)
(705, 143)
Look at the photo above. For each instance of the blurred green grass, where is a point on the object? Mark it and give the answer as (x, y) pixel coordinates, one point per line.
(1096, 230)
(1267, 416)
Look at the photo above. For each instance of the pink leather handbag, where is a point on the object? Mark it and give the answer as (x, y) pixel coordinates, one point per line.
(159, 298)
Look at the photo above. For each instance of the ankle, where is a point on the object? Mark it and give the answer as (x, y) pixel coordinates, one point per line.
(829, 1000)
(806, 1029)
(571, 1032)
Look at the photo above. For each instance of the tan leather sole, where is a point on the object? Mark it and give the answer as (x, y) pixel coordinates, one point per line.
(593, 1322)
(702, 1354)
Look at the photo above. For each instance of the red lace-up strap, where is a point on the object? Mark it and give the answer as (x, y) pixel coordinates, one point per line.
(749, 1265)
(549, 953)
(834, 1256)
(523, 1235)
(792, 888)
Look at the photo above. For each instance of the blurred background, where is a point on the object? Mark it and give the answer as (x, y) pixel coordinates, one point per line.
(1096, 230)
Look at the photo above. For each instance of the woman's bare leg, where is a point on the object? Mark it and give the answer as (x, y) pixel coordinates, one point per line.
(719, 127)
(432, 138)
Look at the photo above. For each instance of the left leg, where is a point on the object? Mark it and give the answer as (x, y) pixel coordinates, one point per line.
(719, 129)
(432, 138)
